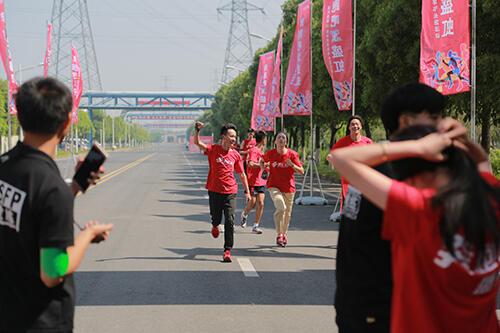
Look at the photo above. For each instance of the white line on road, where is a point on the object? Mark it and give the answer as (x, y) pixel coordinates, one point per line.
(247, 267)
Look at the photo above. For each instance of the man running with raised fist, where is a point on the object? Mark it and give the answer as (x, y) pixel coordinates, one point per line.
(222, 187)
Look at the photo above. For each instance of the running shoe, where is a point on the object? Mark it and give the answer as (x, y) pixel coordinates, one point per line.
(279, 240)
(285, 240)
(227, 256)
(243, 219)
(215, 231)
(256, 230)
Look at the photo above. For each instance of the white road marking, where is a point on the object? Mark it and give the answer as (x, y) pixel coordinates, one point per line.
(247, 267)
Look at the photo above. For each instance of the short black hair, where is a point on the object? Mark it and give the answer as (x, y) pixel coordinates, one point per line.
(260, 136)
(226, 127)
(411, 98)
(250, 130)
(43, 105)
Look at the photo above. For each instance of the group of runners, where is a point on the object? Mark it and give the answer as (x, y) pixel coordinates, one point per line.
(273, 170)
(419, 236)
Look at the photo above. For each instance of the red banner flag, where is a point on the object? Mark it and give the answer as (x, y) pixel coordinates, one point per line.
(6, 59)
(337, 35)
(261, 118)
(48, 51)
(274, 94)
(444, 45)
(297, 97)
(77, 83)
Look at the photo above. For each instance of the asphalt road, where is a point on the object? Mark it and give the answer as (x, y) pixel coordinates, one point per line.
(161, 270)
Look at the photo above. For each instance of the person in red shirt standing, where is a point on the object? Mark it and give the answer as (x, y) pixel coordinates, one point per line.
(354, 125)
(283, 162)
(443, 223)
(247, 144)
(256, 182)
(222, 188)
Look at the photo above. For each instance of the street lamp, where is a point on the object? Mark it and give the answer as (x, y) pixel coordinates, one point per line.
(260, 37)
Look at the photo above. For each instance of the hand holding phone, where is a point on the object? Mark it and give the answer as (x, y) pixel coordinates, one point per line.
(94, 159)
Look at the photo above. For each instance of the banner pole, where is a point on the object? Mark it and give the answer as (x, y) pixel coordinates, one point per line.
(311, 160)
(473, 75)
(353, 111)
(281, 79)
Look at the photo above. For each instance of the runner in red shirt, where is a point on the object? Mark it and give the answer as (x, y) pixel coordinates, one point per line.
(256, 183)
(247, 144)
(354, 124)
(443, 224)
(283, 162)
(221, 183)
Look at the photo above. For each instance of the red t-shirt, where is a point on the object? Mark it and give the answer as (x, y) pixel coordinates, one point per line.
(255, 174)
(247, 144)
(435, 292)
(222, 166)
(281, 175)
(346, 141)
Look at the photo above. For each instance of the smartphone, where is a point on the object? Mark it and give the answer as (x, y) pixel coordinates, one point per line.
(94, 159)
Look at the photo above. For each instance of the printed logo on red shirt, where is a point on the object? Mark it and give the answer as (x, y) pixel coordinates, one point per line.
(222, 160)
(464, 256)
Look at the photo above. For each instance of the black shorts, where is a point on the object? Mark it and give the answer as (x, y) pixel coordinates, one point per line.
(258, 190)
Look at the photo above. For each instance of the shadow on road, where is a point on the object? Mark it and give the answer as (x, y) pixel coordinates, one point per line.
(204, 287)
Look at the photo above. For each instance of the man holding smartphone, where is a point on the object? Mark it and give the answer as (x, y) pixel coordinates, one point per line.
(38, 251)
(222, 188)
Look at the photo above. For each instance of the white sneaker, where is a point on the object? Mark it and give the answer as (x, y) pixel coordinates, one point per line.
(256, 230)
(243, 220)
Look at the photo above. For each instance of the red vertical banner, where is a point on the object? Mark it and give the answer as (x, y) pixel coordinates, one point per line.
(274, 94)
(77, 83)
(6, 59)
(337, 35)
(48, 51)
(445, 45)
(297, 97)
(261, 117)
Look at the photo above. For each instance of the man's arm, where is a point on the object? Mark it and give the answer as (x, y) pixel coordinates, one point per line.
(244, 181)
(55, 263)
(196, 140)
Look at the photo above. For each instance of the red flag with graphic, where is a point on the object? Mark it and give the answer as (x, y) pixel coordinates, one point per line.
(48, 51)
(337, 35)
(77, 83)
(274, 94)
(7, 60)
(445, 45)
(261, 118)
(297, 97)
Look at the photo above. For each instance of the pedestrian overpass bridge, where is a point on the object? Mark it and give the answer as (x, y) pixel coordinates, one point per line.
(166, 110)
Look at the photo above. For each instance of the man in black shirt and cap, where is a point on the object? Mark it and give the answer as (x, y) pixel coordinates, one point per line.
(38, 252)
(363, 269)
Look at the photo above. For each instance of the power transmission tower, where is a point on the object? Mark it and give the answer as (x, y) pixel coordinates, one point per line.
(71, 26)
(239, 52)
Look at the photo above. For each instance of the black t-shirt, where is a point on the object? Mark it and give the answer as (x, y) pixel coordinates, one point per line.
(363, 273)
(36, 211)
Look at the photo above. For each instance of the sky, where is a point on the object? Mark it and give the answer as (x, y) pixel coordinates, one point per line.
(143, 45)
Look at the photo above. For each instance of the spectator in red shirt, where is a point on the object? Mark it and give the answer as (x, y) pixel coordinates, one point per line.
(354, 125)
(222, 188)
(256, 182)
(283, 162)
(443, 223)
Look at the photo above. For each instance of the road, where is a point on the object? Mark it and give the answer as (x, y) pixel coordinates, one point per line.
(161, 270)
